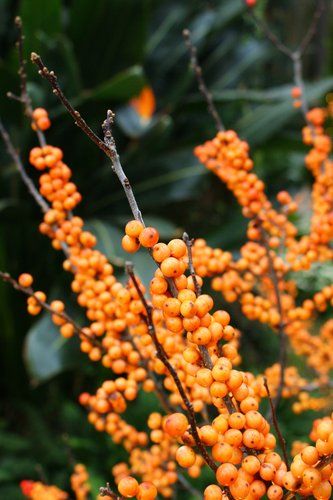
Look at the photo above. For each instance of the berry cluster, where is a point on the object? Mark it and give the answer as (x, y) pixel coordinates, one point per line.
(177, 344)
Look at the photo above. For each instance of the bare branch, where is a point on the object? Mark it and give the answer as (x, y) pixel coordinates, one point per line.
(272, 37)
(312, 28)
(19, 165)
(189, 244)
(283, 339)
(201, 82)
(276, 424)
(117, 167)
(107, 492)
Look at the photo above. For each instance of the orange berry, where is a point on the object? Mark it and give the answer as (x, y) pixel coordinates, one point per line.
(134, 228)
(129, 244)
(226, 474)
(171, 267)
(160, 252)
(240, 488)
(213, 492)
(322, 491)
(149, 237)
(43, 123)
(177, 248)
(251, 464)
(185, 456)
(25, 280)
(274, 492)
(310, 455)
(176, 424)
(128, 486)
(146, 491)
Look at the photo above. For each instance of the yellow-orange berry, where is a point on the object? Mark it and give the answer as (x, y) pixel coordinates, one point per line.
(129, 244)
(146, 491)
(134, 228)
(149, 237)
(128, 486)
(226, 474)
(185, 456)
(171, 267)
(176, 424)
(25, 280)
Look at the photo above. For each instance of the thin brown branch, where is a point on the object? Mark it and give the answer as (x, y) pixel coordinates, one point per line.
(6, 277)
(299, 82)
(107, 492)
(189, 244)
(24, 97)
(78, 120)
(201, 82)
(276, 424)
(272, 37)
(161, 354)
(313, 27)
(283, 339)
(117, 167)
(20, 167)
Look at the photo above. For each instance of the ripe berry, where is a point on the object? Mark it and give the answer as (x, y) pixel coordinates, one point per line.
(185, 456)
(128, 486)
(25, 280)
(129, 244)
(134, 228)
(146, 491)
(149, 237)
(226, 474)
(176, 424)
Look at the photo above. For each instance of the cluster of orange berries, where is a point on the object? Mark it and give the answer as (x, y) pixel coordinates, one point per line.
(35, 490)
(200, 343)
(104, 409)
(40, 119)
(311, 472)
(129, 487)
(80, 482)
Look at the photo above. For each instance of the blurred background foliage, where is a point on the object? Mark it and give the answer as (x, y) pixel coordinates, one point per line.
(104, 53)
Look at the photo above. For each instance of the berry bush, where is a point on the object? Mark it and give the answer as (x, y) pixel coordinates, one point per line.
(214, 428)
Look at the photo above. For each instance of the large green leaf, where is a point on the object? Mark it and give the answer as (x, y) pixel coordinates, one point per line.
(46, 353)
(40, 19)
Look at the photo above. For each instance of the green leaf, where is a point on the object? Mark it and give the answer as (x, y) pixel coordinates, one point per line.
(46, 353)
(263, 121)
(39, 17)
(122, 86)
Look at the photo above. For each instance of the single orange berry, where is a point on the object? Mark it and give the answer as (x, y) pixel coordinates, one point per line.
(128, 486)
(149, 237)
(185, 456)
(134, 228)
(146, 491)
(25, 280)
(226, 474)
(176, 424)
(129, 244)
